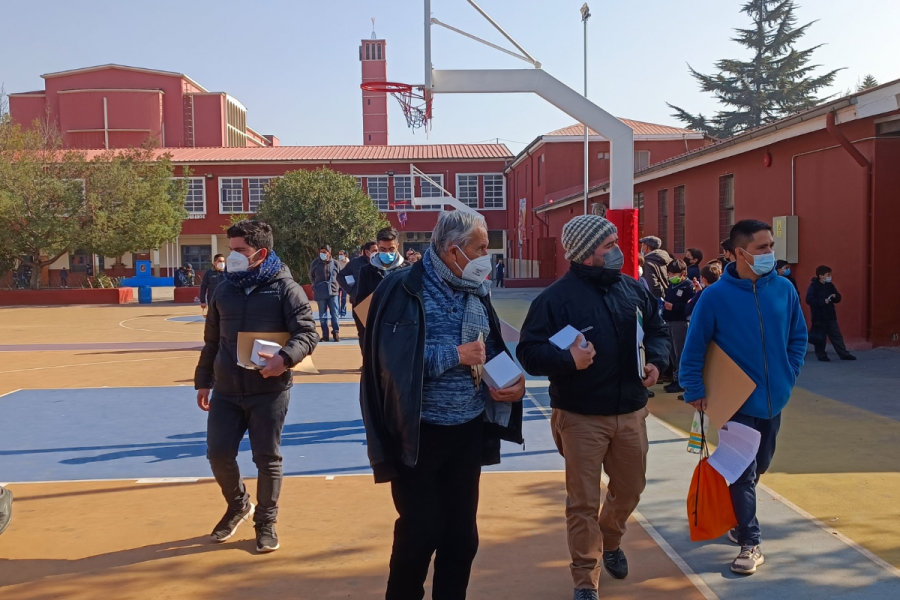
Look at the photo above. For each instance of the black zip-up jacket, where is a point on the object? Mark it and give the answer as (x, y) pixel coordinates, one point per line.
(604, 309)
(211, 280)
(353, 268)
(678, 296)
(277, 305)
(393, 372)
(818, 292)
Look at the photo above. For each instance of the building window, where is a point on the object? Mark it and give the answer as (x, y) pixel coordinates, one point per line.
(79, 261)
(199, 257)
(195, 201)
(726, 206)
(377, 188)
(679, 219)
(604, 156)
(368, 55)
(379, 51)
(494, 192)
(231, 196)
(662, 210)
(639, 205)
(258, 192)
(467, 190)
(518, 184)
(403, 192)
(527, 176)
(428, 190)
(495, 239)
(359, 182)
(641, 160)
(540, 163)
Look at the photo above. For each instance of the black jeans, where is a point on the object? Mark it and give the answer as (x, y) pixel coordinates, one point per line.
(437, 502)
(230, 417)
(832, 330)
(743, 491)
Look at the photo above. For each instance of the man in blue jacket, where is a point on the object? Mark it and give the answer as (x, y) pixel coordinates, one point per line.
(755, 318)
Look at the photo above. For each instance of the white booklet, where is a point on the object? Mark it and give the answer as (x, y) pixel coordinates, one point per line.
(738, 445)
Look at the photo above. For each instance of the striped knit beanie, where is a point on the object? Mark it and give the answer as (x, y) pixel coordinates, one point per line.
(582, 235)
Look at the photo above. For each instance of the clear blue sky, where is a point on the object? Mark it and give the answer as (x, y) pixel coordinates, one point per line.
(295, 64)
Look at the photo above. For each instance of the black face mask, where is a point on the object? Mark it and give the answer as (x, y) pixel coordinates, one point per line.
(599, 276)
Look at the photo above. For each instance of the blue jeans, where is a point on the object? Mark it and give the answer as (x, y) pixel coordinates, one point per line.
(743, 491)
(343, 302)
(326, 306)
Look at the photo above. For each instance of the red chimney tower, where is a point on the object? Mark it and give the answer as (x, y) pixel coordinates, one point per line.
(373, 56)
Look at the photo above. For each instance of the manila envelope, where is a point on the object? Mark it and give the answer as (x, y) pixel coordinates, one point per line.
(362, 310)
(245, 348)
(727, 386)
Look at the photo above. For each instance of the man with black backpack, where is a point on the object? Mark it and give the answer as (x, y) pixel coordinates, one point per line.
(323, 276)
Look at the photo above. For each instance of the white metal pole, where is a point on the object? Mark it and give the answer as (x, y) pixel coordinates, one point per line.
(585, 15)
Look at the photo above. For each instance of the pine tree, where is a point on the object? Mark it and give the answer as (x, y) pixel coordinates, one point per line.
(777, 82)
(868, 82)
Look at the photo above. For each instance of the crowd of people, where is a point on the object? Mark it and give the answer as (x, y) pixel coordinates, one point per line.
(431, 419)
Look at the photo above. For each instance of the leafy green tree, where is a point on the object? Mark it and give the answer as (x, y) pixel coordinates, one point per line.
(778, 81)
(867, 83)
(53, 200)
(310, 208)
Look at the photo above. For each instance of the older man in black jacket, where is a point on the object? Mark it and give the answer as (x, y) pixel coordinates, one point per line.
(258, 295)
(598, 390)
(431, 423)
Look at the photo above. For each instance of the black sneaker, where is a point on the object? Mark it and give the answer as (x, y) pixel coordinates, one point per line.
(230, 522)
(6, 500)
(586, 595)
(266, 538)
(615, 563)
(848, 357)
(651, 394)
(673, 388)
(824, 359)
(681, 397)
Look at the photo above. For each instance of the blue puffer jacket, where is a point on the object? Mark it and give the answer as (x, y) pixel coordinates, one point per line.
(760, 326)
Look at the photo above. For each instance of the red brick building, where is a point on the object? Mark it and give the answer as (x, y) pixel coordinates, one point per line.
(549, 172)
(836, 168)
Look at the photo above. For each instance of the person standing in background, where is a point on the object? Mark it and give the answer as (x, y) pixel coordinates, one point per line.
(692, 258)
(348, 279)
(784, 269)
(342, 261)
(501, 273)
(323, 276)
(64, 277)
(681, 290)
(821, 296)
(211, 279)
(655, 261)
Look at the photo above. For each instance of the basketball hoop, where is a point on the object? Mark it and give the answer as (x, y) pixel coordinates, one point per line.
(414, 101)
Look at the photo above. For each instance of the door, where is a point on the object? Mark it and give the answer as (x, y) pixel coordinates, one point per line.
(547, 258)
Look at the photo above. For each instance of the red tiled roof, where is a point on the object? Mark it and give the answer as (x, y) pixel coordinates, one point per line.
(335, 153)
(639, 127)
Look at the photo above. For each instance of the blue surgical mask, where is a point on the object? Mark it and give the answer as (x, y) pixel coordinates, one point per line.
(787, 272)
(387, 257)
(762, 263)
(614, 259)
(828, 279)
(323, 256)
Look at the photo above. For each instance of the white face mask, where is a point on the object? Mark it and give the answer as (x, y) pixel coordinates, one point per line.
(237, 262)
(220, 265)
(477, 270)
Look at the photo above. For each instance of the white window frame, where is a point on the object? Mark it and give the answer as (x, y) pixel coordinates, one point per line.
(385, 204)
(194, 214)
(430, 191)
(403, 190)
(261, 191)
(637, 161)
(501, 197)
(222, 181)
(466, 186)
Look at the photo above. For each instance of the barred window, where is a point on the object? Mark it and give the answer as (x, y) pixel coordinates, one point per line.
(726, 205)
(663, 218)
(467, 190)
(258, 192)
(495, 190)
(679, 219)
(428, 190)
(232, 195)
(378, 191)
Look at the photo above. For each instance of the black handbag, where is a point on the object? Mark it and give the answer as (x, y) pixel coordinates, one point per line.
(817, 335)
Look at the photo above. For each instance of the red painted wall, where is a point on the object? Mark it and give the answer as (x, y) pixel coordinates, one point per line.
(886, 216)
(25, 109)
(65, 297)
(209, 120)
(830, 201)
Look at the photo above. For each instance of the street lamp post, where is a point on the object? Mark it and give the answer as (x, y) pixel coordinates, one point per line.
(585, 15)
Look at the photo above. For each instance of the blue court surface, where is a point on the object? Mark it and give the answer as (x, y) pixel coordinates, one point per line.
(133, 433)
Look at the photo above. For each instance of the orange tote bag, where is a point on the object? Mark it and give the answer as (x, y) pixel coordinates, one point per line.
(709, 507)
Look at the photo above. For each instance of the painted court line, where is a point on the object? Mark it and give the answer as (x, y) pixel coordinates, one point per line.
(108, 362)
(894, 571)
(168, 480)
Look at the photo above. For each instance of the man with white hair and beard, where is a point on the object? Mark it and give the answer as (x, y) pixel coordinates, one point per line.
(431, 423)
(598, 391)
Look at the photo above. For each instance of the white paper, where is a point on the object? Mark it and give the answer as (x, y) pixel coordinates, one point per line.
(265, 347)
(565, 337)
(738, 445)
(501, 372)
(641, 354)
(350, 279)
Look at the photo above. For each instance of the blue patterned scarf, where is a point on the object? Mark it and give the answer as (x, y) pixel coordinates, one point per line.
(475, 318)
(258, 276)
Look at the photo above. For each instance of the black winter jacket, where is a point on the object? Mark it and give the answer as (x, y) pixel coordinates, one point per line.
(606, 313)
(352, 269)
(277, 305)
(211, 279)
(816, 295)
(371, 276)
(323, 277)
(393, 372)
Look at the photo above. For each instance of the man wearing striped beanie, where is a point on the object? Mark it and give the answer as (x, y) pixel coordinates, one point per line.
(598, 390)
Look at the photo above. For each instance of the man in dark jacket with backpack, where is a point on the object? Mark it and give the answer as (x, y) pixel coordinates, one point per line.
(598, 391)
(323, 274)
(258, 295)
(821, 297)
